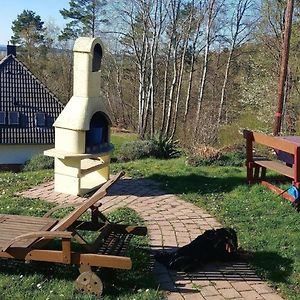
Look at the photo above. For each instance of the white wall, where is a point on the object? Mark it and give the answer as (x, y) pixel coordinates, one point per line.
(19, 154)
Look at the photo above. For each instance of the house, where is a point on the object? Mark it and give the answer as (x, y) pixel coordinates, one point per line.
(27, 112)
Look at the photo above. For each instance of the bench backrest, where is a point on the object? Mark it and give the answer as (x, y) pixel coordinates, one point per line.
(270, 141)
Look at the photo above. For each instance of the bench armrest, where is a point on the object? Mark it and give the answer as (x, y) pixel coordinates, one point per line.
(40, 234)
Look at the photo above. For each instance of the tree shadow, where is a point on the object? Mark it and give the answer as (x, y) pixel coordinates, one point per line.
(201, 184)
(159, 184)
(272, 266)
(248, 267)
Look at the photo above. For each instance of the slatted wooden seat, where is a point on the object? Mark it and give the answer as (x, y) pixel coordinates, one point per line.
(27, 238)
(12, 226)
(257, 166)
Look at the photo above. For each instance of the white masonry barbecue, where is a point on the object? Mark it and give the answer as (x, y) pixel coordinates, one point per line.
(82, 130)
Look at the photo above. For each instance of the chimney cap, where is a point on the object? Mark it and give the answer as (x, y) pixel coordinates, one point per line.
(86, 44)
(11, 49)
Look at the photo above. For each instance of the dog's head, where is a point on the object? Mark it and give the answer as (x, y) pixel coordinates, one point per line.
(227, 237)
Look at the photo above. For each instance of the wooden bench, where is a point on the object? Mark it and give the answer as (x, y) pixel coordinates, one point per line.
(257, 166)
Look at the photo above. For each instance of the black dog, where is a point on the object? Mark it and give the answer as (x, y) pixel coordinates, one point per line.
(220, 244)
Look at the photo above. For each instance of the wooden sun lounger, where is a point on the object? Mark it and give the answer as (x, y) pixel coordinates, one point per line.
(26, 238)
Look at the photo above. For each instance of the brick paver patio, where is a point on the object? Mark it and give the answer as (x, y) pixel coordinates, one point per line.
(172, 223)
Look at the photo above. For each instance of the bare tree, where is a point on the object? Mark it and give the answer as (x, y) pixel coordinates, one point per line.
(199, 17)
(174, 41)
(213, 8)
(186, 32)
(156, 20)
(240, 30)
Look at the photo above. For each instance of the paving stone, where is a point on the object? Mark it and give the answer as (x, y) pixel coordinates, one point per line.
(241, 286)
(221, 284)
(200, 283)
(217, 297)
(209, 291)
(271, 296)
(262, 288)
(250, 295)
(175, 296)
(192, 296)
(229, 293)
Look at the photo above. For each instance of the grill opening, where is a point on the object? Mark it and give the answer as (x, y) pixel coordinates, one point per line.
(97, 57)
(97, 137)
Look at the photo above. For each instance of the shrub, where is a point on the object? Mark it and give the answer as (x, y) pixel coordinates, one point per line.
(234, 155)
(158, 147)
(39, 162)
(229, 156)
(165, 147)
(135, 150)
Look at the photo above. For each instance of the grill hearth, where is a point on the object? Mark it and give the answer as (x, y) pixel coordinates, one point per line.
(82, 130)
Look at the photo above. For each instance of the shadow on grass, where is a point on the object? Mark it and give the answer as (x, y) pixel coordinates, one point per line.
(194, 183)
(157, 184)
(272, 266)
(202, 185)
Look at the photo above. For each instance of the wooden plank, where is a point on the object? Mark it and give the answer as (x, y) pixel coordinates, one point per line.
(13, 226)
(97, 260)
(274, 142)
(26, 219)
(37, 235)
(106, 261)
(73, 216)
(278, 190)
(275, 166)
(21, 226)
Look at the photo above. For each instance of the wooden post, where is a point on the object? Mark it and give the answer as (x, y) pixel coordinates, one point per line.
(248, 135)
(283, 65)
(296, 167)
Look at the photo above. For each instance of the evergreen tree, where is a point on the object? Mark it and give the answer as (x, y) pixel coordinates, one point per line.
(86, 17)
(28, 29)
(28, 32)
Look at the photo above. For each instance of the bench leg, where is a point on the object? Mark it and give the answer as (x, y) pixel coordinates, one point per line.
(263, 173)
(249, 166)
(256, 173)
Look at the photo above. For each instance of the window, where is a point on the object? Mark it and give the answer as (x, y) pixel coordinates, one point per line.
(2, 117)
(13, 118)
(40, 119)
(49, 121)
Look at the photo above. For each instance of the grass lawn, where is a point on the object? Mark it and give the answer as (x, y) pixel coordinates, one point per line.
(267, 226)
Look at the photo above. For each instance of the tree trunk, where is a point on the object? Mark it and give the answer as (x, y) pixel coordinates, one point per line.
(165, 95)
(222, 100)
(171, 94)
(205, 65)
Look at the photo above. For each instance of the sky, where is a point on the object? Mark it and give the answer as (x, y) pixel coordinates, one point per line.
(48, 10)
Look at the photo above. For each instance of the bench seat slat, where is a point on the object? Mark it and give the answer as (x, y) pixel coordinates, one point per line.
(275, 166)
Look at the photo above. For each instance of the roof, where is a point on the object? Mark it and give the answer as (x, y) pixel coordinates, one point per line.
(22, 94)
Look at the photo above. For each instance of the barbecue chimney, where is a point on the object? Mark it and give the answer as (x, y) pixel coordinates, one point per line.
(82, 130)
